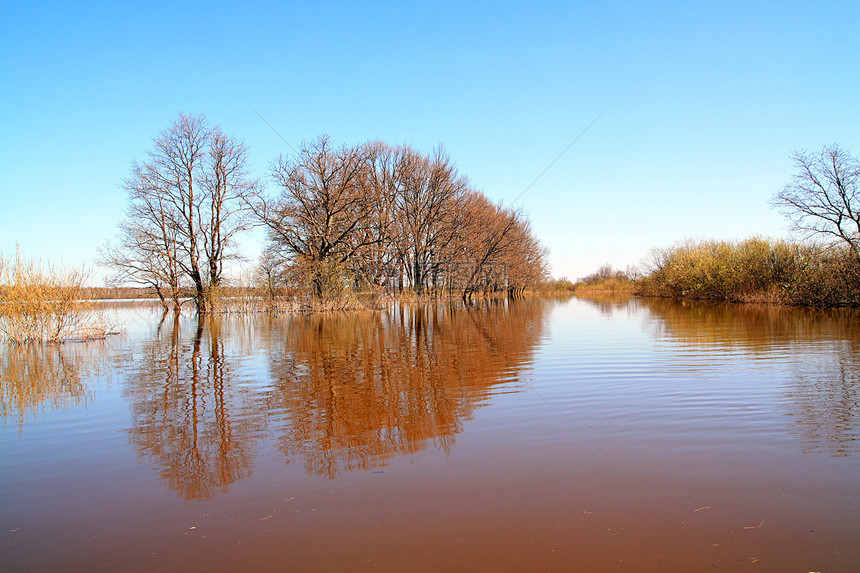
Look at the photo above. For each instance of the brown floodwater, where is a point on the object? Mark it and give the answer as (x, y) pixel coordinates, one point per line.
(602, 434)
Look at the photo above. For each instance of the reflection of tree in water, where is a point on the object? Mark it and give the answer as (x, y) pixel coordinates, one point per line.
(347, 390)
(36, 377)
(190, 416)
(824, 346)
(357, 389)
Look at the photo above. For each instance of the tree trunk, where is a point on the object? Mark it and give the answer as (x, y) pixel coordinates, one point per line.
(161, 297)
(200, 291)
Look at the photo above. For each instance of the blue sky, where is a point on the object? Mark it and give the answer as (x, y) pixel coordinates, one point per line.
(704, 102)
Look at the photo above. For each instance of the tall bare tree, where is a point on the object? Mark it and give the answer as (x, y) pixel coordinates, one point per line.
(375, 263)
(146, 250)
(526, 261)
(496, 249)
(488, 234)
(224, 212)
(187, 203)
(823, 196)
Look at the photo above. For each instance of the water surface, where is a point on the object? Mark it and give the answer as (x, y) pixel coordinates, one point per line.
(602, 434)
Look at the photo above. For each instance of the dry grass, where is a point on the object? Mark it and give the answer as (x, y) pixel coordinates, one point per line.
(45, 304)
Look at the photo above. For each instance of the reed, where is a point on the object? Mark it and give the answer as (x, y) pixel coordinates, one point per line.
(46, 303)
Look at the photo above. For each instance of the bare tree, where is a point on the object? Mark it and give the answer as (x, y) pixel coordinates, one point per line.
(321, 217)
(268, 274)
(174, 166)
(525, 257)
(498, 249)
(146, 251)
(486, 234)
(822, 198)
(375, 263)
(187, 203)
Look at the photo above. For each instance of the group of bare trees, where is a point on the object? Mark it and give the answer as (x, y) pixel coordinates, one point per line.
(390, 217)
(371, 216)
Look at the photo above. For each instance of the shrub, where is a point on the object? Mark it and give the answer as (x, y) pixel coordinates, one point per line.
(755, 270)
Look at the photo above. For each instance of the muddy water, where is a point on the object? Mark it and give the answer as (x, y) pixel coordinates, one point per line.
(602, 434)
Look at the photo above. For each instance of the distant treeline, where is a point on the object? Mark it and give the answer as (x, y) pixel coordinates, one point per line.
(368, 217)
(603, 280)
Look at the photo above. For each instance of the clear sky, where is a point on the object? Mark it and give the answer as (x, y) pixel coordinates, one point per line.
(704, 103)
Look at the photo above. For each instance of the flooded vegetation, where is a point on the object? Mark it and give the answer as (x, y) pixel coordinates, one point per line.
(45, 303)
(601, 432)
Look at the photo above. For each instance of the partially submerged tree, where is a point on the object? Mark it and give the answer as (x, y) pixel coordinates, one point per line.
(224, 211)
(486, 244)
(187, 203)
(823, 198)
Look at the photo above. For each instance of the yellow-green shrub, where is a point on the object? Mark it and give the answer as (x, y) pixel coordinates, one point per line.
(755, 270)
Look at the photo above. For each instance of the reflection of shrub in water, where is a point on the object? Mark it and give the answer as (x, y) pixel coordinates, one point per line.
(750, 326)
(826, 399)
(608, 302)
(823, 395)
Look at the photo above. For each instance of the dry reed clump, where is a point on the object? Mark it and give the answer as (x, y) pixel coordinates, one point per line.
(755, 270)
(46, 304)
